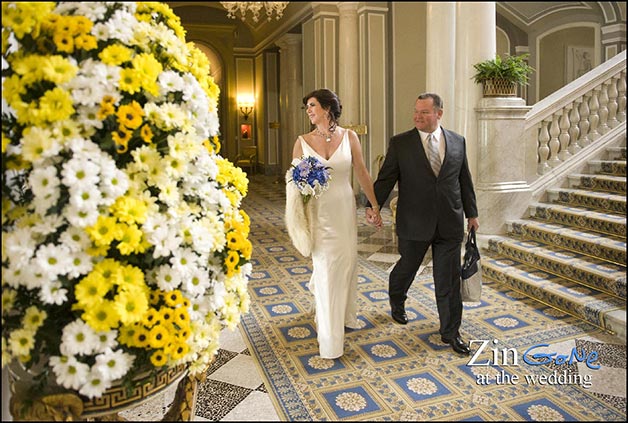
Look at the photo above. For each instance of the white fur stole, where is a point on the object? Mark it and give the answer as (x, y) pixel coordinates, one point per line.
(297, 219)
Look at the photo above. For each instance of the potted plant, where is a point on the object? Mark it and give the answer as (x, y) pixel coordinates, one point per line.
(500, 77)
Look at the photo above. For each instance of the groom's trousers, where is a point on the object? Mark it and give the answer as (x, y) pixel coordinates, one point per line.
(446, 272)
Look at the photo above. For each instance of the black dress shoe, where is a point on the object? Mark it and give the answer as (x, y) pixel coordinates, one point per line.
(398, 313)
(458, 345)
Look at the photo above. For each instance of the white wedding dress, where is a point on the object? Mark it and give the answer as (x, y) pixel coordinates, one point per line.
(334, 252)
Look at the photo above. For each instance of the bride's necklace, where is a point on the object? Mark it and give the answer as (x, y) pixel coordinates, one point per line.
(324, 135)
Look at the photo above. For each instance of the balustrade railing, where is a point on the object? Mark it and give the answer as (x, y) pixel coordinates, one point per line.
(579, 113)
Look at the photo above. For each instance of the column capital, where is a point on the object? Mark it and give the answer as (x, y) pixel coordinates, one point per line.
(288, 40)
(348, 7)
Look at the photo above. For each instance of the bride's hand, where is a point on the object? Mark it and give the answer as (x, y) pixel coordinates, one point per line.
(373, 217)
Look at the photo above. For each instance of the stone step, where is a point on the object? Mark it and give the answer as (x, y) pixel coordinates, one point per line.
(588, 271)
(606, 183)
(593, 306)
(608, 167)
(580, 217)
(616, 153)
(603, 201)
(602, 246)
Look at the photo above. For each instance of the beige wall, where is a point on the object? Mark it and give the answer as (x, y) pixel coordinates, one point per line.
(553, 53)
(502, 42)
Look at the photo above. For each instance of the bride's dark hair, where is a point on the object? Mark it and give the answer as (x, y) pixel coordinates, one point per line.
(328, 101)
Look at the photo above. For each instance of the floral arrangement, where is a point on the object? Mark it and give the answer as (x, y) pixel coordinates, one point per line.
(123, 244)
(310, 176)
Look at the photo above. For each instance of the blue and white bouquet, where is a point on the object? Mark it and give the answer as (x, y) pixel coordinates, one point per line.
(310, 176)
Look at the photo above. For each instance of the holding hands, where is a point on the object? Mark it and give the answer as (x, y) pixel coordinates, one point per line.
(373, 217)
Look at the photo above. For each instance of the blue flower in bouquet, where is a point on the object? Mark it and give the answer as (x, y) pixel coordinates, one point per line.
(310, 176)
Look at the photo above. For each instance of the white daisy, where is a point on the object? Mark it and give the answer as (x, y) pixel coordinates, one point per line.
(88, 118)
(81, 217)
(107, 340)
(84, 91)
(96, 384)
(169, 192)
(53, 259)
(85, 197)
(198, 309)
(166, 244)
(19, 245)
(48, 224)
(113, 364)
(13, 275)
(184, 261)
(78, 338)
(167, 278)
(170, 81)
(114, 183)
(70, 373)
(197, 282)
(77, 172)
(95, 11)
(101, 32)
(44, 181)
(80, 263)
(53, 293)
(121, 25)
(217, 298)
(35, 278)
(42, 204)
(75, 239)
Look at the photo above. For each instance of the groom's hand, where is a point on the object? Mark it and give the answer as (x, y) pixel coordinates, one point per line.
(373, 218)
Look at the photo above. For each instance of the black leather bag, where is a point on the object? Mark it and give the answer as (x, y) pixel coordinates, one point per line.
(471, 256)
(471, 284)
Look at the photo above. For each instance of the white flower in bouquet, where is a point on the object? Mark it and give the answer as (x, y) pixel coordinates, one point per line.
(310, 176)
(124, 246)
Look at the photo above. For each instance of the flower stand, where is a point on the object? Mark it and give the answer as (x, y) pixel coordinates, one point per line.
(66, 406)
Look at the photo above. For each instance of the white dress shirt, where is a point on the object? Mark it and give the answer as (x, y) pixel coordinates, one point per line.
(438, 134)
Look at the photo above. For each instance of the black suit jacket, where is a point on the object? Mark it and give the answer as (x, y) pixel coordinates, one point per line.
(426, 201)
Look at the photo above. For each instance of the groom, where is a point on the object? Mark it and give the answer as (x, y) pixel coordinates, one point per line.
(435, 194)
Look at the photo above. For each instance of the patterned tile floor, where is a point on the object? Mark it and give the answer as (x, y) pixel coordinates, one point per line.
(234, 389)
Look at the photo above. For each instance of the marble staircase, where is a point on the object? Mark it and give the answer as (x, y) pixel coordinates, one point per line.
(569, 252)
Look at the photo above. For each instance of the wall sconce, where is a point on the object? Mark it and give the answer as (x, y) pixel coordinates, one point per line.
(245, 104)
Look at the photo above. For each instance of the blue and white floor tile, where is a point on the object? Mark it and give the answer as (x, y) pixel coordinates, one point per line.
(234, 389)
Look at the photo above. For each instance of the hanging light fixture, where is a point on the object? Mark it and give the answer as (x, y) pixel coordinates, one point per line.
(255, 7)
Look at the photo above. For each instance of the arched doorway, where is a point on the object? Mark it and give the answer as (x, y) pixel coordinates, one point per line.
(216, 71)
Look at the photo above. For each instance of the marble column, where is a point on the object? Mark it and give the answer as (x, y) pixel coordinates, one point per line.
(440, 57)
(348, 61)
(501, 188)
(374, 81)
(290, 96)
(475, 41)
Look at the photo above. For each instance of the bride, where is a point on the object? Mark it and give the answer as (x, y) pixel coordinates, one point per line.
(333, 222)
